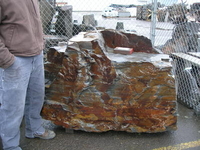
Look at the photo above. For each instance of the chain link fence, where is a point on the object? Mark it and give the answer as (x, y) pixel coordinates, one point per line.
(172, 26)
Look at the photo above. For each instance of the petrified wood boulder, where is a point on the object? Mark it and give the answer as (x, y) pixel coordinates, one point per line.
(96, 91)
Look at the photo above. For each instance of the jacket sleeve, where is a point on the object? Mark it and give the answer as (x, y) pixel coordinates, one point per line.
(6, 58)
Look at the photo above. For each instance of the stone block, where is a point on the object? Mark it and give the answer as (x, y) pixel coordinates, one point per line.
(96, 91)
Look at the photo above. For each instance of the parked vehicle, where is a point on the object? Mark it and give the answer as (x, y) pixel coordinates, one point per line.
(110, 12)
(117, 10)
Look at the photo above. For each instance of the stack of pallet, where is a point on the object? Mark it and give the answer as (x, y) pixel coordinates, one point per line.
(144, 12)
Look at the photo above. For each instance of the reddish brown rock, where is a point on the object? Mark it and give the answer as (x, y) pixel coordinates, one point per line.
(114, 38)
(98, 91)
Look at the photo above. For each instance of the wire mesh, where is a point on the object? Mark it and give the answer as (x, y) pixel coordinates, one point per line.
(175, 30)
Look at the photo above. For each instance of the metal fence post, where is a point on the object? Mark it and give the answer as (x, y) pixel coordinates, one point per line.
(153, 22)
(198, 41)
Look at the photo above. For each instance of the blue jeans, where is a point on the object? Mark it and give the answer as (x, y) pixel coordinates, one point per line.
(21, 94)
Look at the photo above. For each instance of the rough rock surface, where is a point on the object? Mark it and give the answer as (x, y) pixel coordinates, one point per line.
(96, 91)
(113, 39)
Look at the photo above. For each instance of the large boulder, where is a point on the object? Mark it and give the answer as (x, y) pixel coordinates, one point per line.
(95, 90)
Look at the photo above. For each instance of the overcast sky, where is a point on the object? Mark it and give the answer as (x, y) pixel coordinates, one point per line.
(91, 5)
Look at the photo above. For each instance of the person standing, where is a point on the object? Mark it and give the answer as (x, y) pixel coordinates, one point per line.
(21, 72)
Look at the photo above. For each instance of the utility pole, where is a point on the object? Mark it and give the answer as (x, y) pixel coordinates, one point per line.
(54, 3)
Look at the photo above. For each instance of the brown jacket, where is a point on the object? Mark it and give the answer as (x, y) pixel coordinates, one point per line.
(20, 30)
